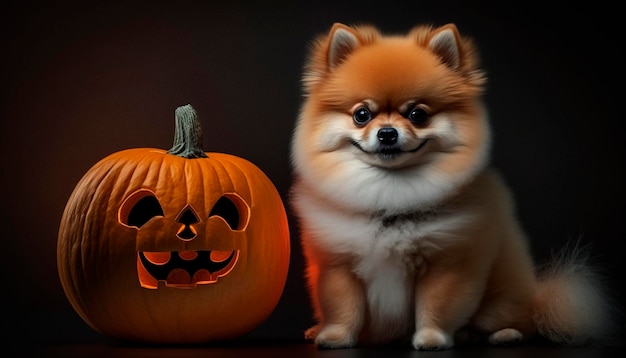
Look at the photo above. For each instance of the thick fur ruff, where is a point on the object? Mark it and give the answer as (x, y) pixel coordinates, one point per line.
(407, 232)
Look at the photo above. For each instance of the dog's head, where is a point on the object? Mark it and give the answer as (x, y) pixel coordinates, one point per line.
(392, 102)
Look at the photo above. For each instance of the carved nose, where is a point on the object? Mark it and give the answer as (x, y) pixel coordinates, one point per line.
(387, 135)
(187, 217)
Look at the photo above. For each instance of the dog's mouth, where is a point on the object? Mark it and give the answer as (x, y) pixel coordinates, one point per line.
(389, 152)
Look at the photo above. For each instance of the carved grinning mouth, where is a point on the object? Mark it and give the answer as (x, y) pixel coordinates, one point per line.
(390, 152)
(184, 269)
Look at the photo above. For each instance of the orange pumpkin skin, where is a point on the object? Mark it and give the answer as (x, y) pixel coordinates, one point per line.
(98, 252)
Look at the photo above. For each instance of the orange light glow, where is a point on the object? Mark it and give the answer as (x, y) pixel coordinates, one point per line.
(158, 258)
(219, 256)
(188, 255)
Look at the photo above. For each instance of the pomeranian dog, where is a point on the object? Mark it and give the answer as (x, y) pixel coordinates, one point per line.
(407, 232)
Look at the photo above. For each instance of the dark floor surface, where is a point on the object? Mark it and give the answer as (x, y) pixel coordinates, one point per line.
(288, 348)
(64, 335)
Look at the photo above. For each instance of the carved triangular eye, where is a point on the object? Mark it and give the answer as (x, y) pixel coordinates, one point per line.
(233, 210)
(139, 208)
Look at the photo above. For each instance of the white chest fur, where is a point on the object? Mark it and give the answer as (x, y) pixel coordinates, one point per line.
(396, 256)
(388, 253)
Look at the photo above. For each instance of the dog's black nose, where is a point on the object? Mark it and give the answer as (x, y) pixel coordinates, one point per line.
(387, 135)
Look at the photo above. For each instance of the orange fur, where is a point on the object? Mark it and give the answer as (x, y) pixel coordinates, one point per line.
(407, 232)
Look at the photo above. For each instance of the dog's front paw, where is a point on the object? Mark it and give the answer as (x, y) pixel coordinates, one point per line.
(505, 336)
(311, 333)
(431, 339)
(335, 336)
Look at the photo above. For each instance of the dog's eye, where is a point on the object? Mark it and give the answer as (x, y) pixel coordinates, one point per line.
(362, 115)
(418, 116)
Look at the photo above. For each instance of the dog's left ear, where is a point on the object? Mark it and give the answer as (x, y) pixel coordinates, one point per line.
(343, 40)
(444, 42)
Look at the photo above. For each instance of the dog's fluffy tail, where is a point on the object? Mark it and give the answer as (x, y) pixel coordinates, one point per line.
(572, 305)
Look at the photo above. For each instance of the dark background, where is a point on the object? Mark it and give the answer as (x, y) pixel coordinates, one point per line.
(81, 80)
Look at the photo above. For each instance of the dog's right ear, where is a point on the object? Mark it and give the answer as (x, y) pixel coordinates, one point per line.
(445, 44)
(342, 41)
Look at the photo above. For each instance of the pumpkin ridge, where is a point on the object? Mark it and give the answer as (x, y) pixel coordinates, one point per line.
(224, 172)
(109, 179)
(192, 168)
(164, 171)
(94, 176)
(236, 166)
(204, 181)
(71, 267)
(215, 177)
(99, 180)
(123, 164)
(251, 176)
(151, 166)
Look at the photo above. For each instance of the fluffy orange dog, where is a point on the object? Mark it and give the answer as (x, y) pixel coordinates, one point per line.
(407, 232)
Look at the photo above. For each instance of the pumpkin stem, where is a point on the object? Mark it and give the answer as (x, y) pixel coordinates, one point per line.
(187, 134)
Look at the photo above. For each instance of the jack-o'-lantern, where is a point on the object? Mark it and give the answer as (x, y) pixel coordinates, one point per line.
(177, 246)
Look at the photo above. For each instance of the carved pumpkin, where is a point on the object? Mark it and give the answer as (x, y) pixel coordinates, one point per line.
(177, 246)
